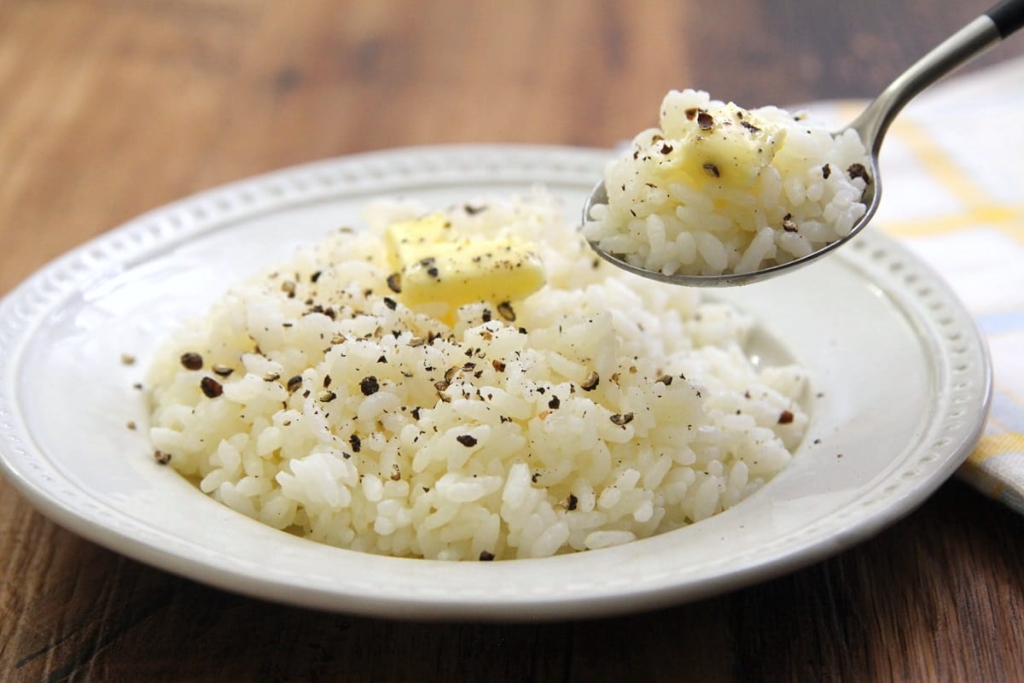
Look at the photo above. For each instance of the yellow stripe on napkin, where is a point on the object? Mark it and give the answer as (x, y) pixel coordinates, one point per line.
(941, 166)
(992, 445)
(1006, 219)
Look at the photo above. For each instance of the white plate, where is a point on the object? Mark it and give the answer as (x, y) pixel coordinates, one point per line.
(901, 375)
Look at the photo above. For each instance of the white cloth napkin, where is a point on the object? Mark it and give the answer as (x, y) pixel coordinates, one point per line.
(952, 169)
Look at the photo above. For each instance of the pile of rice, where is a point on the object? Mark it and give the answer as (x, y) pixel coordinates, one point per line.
(718, 189)
(601, 409)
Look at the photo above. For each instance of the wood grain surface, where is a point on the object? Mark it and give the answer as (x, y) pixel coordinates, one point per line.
(109, 108)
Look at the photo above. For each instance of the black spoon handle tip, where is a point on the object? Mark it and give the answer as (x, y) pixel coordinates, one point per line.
(1008, 16)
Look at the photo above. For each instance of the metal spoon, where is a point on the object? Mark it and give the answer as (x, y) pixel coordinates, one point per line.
(987, 30)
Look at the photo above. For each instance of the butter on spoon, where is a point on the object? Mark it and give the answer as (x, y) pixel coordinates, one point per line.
(998, 23)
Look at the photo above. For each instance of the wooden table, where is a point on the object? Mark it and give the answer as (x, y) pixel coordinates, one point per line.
(112, 107)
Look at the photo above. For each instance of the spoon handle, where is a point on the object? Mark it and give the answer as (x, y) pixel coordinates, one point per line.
(1008, 16)
(987, 30)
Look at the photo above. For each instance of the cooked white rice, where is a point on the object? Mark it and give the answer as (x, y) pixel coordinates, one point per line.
(717, 189)
(609, 409)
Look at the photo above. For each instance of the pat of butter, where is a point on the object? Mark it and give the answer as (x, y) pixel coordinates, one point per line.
(727, 144)
(433, 268)
(407, 240)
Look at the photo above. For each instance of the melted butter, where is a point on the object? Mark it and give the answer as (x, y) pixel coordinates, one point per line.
(434, 268)
(728, 145)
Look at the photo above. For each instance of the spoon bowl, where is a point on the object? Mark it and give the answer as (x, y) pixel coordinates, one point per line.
(870, 198)
(982, 33)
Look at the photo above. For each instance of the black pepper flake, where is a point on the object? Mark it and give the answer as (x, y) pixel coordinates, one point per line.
(788, 224)
(315, 276)
(665, 379)
(621, 420)
(328, 396)
(826, 171)
(432, 271)
(554, 403)
(498, 366)
(749, 126)
(571, 504)
(486, 556)
(522, 330)
(785, 417)
(271, 376)
(712, 170)
(666, 148)
(705, 120)
(486, 315)
(327, 381)
(534, 477)
(162, 457)
(466, 440)
(222, 370)
(415, 412)
(591, 382)
(395, 282)
(294, 383)
(858, 171)
(211, 387)
(369, 385)
(390, 303)
(383, 359)
(192, 361)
